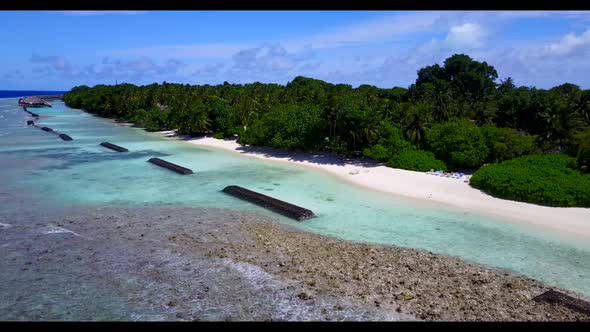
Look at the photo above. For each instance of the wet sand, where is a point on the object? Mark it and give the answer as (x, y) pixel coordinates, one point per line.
(116, 263)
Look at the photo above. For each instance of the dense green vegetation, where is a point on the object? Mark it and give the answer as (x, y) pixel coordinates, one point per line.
(455, 116)
(288, 126)
(416, 160)
(551, 179)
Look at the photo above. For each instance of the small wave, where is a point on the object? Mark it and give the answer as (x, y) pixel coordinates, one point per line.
(51, 229)
(287, 306)
(251, 272)
(5, 225)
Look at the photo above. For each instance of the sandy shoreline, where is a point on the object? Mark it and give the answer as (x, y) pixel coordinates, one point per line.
(569, 222)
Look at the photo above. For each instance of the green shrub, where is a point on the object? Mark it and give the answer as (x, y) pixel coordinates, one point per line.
(544, 179)
(392, 138)
(459, 143)
(151, 119)
(506, 143)
(416, 160)
(220, 135)
(390, 143)
(378, 152)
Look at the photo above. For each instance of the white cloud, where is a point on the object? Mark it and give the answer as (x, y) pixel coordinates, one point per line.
(517, 14)
(465, 36)
(385, 51)
(543, 64)
(570, 44)
(142, 66)
(58, 63)
(209, 70)
(382, 29)
(212, 50)
(109, 68)
(467, 31)
(267, 63)
(460, 38)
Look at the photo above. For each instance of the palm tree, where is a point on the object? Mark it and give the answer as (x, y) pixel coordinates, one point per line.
(485, 112)
(582, 149)
(415, 123)
(200, 122)
(442, 105)
(247, 110)
(561, 124)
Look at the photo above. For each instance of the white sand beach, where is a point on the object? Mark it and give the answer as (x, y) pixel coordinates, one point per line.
(571, 222)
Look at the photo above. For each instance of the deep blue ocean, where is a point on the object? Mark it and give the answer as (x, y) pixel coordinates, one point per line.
(24, 93)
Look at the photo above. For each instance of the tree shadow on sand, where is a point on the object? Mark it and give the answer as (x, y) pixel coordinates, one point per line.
(317, 157)
(321, 157)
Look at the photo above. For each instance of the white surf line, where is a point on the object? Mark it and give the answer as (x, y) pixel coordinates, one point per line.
(56, 229)
(5, 225)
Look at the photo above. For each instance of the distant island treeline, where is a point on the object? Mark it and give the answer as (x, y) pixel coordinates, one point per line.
(526, 143)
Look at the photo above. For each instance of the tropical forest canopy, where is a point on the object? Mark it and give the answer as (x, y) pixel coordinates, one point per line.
(455, 116)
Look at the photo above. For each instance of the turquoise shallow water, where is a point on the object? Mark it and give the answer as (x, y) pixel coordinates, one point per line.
(54, 173)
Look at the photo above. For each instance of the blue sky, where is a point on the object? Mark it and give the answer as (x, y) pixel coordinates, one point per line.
(59, 50)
